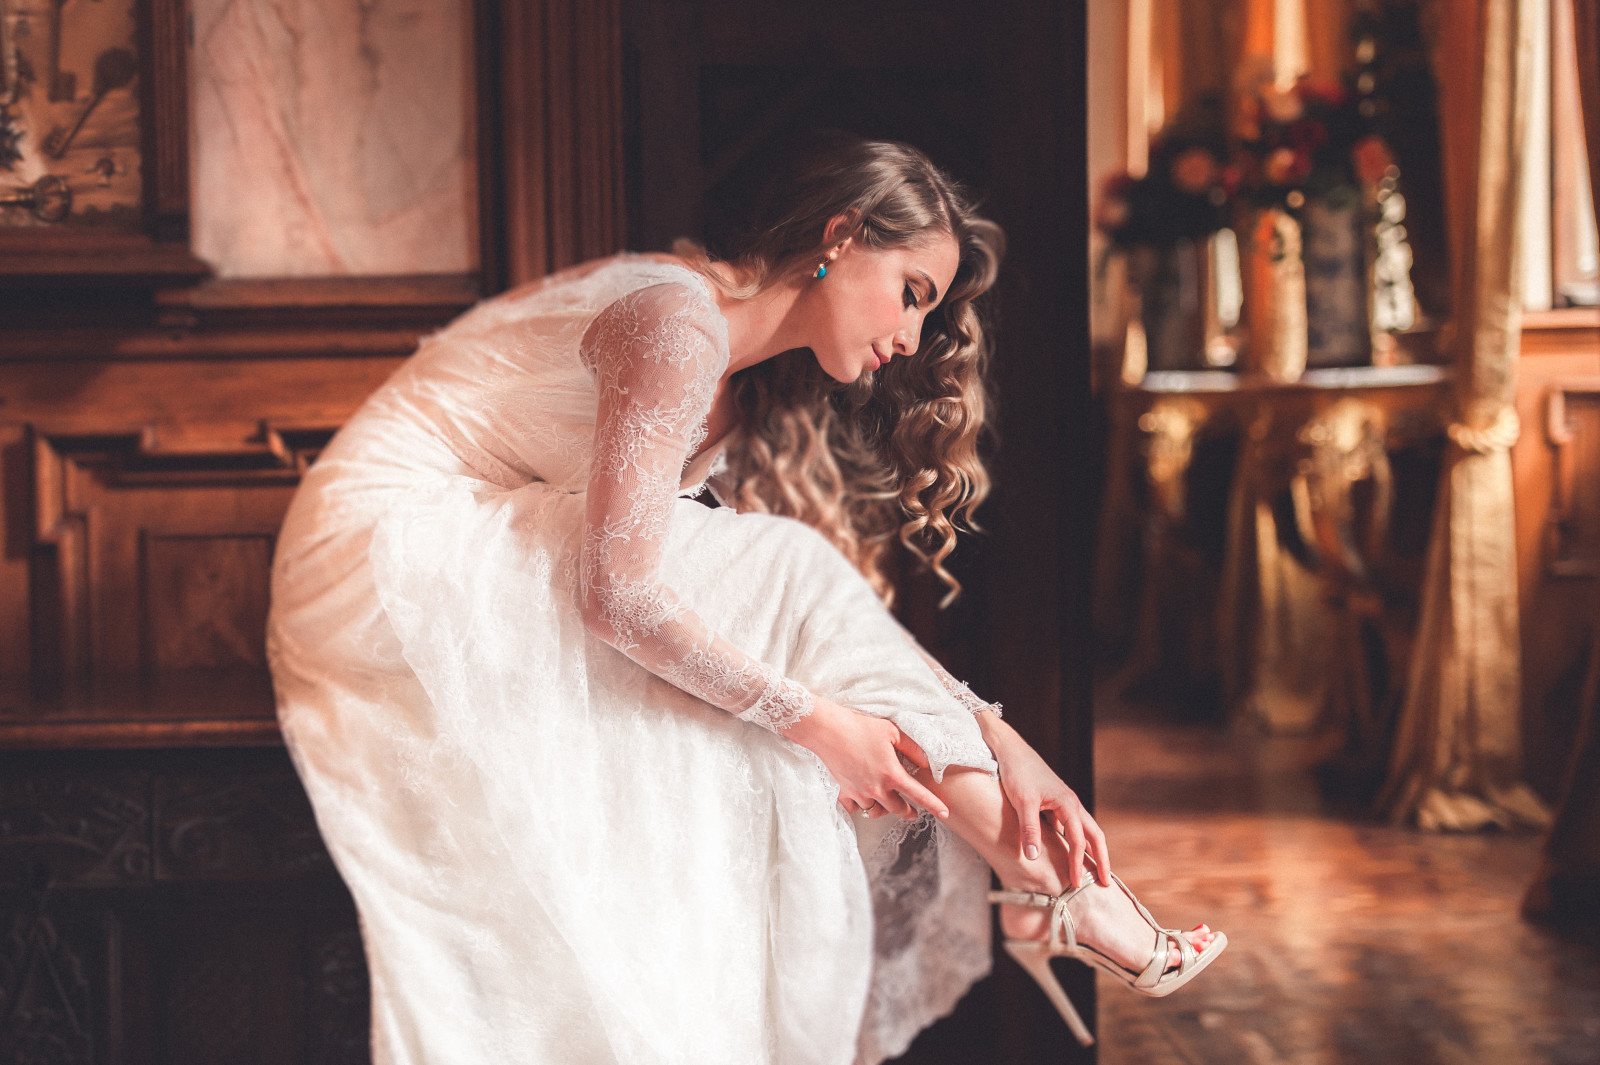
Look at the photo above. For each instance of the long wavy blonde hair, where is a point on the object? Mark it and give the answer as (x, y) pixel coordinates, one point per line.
(895, 456)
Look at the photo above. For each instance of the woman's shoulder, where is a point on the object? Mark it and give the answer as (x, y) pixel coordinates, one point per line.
(668, 311)
(585, 290)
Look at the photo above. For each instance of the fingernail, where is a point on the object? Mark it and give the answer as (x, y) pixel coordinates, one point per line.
(1031, 851)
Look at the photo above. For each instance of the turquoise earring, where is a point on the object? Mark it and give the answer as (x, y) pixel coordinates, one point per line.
(822, 270)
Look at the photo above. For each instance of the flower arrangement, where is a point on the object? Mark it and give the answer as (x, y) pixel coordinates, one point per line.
(1310, 140)
(1181, 197)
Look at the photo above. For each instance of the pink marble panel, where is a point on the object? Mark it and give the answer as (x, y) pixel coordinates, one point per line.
(333, 137)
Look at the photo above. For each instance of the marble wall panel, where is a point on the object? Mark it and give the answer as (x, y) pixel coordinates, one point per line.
(333, 137)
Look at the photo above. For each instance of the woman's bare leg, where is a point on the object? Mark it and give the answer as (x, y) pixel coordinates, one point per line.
(980, 815)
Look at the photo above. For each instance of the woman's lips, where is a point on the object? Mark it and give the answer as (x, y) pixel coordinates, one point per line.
(883, 360)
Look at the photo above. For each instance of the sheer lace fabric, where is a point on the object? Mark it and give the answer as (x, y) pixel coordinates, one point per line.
(657, 357)
(509, 653)
(959, 691)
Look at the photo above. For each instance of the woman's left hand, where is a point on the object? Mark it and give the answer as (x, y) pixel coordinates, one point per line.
(1033, 788)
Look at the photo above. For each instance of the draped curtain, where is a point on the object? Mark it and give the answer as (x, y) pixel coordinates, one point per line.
(1567, 887)
(1457, 761)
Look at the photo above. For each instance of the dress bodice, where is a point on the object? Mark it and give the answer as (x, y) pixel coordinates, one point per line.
(505, 389)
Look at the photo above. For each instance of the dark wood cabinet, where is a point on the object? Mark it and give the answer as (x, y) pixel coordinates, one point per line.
(171, 906)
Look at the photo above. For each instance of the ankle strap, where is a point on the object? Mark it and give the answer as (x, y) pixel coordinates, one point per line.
(1063, 930)
(1023, 898)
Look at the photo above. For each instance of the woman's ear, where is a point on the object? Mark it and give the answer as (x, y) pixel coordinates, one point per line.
(841, 228)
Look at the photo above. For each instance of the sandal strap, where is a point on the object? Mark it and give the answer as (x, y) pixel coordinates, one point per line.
(1063, 929)
(1166, 939)
(1023, 898)
(1064, 934)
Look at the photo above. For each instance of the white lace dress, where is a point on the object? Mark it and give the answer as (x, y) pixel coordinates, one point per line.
(525, 680)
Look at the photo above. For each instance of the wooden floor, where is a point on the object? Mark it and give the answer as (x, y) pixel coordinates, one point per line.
(1350, 941)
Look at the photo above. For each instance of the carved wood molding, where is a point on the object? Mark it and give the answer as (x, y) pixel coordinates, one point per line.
(152, 550)
(1572, 427)
(558, 78)
(221, 319)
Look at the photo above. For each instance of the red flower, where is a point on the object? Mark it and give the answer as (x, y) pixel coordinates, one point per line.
(1327, 94)
(1371, 158)
(1116, 185)
(1307, 136)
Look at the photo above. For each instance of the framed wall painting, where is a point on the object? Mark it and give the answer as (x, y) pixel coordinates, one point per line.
(94, 141)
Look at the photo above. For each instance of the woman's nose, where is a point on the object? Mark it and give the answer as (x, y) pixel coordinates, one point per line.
(905, 343)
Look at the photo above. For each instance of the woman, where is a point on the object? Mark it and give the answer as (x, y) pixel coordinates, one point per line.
(580, 744)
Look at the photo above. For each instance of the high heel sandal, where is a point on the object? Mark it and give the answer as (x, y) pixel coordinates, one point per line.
(1156, 980)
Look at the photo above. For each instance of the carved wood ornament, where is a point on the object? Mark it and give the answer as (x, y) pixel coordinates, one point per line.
(1572, 426)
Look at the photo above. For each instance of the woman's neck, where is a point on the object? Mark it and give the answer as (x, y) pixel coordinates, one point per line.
(763, 325)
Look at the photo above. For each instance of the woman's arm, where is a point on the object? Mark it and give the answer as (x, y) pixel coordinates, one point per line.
(657, 360)
(1033, 788)
(1030, 785)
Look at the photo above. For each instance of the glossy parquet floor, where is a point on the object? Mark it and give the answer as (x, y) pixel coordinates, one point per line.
(1350, 941)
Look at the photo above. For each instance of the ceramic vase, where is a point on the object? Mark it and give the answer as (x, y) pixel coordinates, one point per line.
(1337, 330)
(1275, 297)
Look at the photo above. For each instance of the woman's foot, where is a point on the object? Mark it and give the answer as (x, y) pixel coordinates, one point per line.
(1104, 918)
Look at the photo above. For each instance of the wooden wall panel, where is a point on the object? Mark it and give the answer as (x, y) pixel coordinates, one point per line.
(159, 559)
(164, 894)
(205, 599)
(1556, 466)
(557, 135)
(1572, 428)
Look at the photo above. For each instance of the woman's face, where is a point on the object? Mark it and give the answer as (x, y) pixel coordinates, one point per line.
(870, 306)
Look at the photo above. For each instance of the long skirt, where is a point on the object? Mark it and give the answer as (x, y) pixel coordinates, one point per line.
(558, 857)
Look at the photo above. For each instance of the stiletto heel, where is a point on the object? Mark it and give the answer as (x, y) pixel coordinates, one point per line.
(1156, 980)
(1034, 956)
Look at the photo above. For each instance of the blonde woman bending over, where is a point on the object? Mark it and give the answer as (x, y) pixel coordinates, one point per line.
(604, 767)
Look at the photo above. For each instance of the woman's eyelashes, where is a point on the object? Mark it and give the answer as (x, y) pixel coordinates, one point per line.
(911, 296)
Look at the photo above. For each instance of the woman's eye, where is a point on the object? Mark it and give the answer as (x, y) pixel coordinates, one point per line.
(911, 298)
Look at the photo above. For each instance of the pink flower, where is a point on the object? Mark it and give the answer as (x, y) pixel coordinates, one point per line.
(1194, 170)
(1247, 120)
(1112, 215)
(1281, 167)
(1282, 107)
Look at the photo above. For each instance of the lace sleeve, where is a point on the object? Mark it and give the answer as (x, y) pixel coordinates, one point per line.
(958, 689)
(657, 361)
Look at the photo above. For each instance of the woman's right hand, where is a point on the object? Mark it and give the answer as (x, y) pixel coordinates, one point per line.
(862, 752)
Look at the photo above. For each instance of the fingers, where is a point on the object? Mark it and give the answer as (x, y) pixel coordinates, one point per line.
(1098, 850)
(1072, 832)
(896, 804)
(1028, 819)
(908, 789)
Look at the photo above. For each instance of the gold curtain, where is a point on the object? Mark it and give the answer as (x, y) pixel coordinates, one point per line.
(1567, 887)
(1457, 762)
